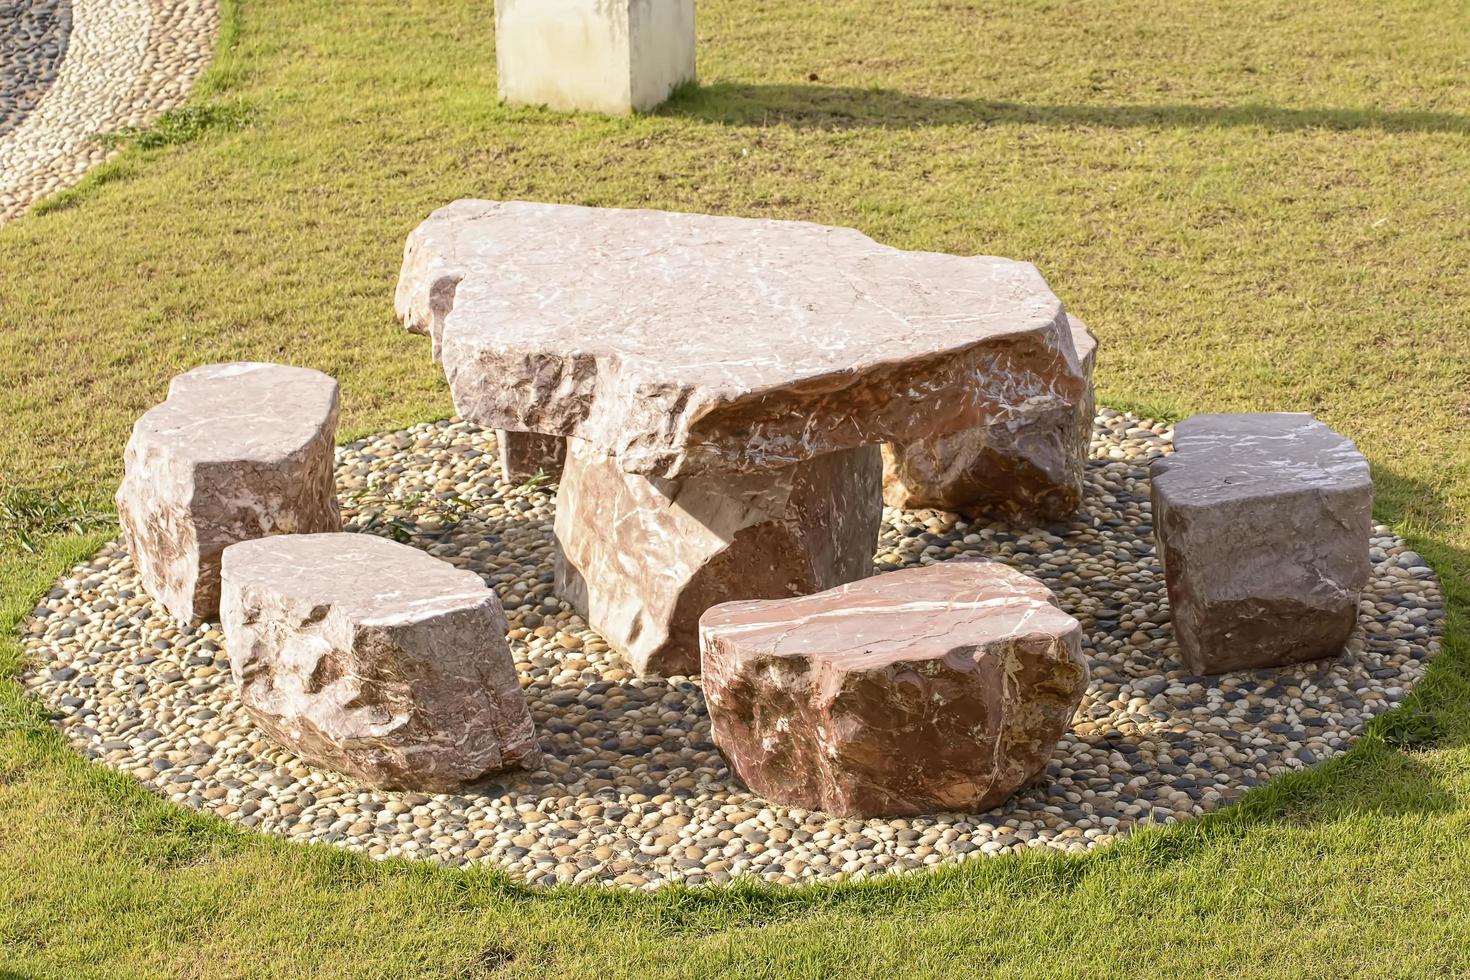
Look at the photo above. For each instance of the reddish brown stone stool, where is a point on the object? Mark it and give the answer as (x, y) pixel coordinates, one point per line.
(921, 690)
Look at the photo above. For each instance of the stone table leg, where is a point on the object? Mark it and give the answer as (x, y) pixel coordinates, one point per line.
(643, 558)
(1027, 465)
(526, 455)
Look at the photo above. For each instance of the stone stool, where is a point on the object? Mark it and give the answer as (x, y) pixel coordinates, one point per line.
(612, 56)
(1025, 466)
(237, 451)
(921, 690)
(1262, 523)
(375, 659)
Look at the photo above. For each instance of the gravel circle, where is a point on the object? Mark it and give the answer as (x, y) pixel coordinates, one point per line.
(33, 35)
(121, 63)
(633, 793)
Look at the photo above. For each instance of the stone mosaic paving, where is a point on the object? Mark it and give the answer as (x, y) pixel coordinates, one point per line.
(33, 35)
(632, 791)
(73, 69)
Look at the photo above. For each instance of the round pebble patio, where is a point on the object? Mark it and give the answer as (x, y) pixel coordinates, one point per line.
(71, 69)
(632, 791)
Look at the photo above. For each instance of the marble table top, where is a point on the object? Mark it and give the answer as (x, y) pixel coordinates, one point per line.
(685, 343)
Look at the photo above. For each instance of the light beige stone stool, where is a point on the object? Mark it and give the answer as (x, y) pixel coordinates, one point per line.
(612, 56)
(374, 659)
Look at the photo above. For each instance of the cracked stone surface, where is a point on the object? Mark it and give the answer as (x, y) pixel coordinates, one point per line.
(915, 691)
(71, 69)
(682, 344)
(237, 451)
(1263, 523)
(373, 659)
(632, 792)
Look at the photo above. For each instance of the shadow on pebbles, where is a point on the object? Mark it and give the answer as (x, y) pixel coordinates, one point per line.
(633, 792)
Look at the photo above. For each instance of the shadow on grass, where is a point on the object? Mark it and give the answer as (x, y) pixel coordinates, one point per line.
(1438, 711)
(833, 107)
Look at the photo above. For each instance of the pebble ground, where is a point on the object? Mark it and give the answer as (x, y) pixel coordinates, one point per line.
(633, 793)
(72, 69)
(33, 35)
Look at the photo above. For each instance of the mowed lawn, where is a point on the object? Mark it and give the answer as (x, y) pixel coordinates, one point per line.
(1254, 205)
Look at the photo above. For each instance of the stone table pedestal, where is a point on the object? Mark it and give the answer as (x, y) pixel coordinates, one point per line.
(526, 456)
(1026, 466)
(643, 558)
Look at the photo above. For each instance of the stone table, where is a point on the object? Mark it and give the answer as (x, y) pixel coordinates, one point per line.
(724, 384)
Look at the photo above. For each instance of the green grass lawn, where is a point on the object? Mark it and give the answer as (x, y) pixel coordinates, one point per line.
(1255, 206)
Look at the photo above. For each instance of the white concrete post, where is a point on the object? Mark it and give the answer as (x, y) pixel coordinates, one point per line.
(613, 56)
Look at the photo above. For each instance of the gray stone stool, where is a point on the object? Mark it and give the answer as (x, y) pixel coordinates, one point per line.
(1263, 524)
